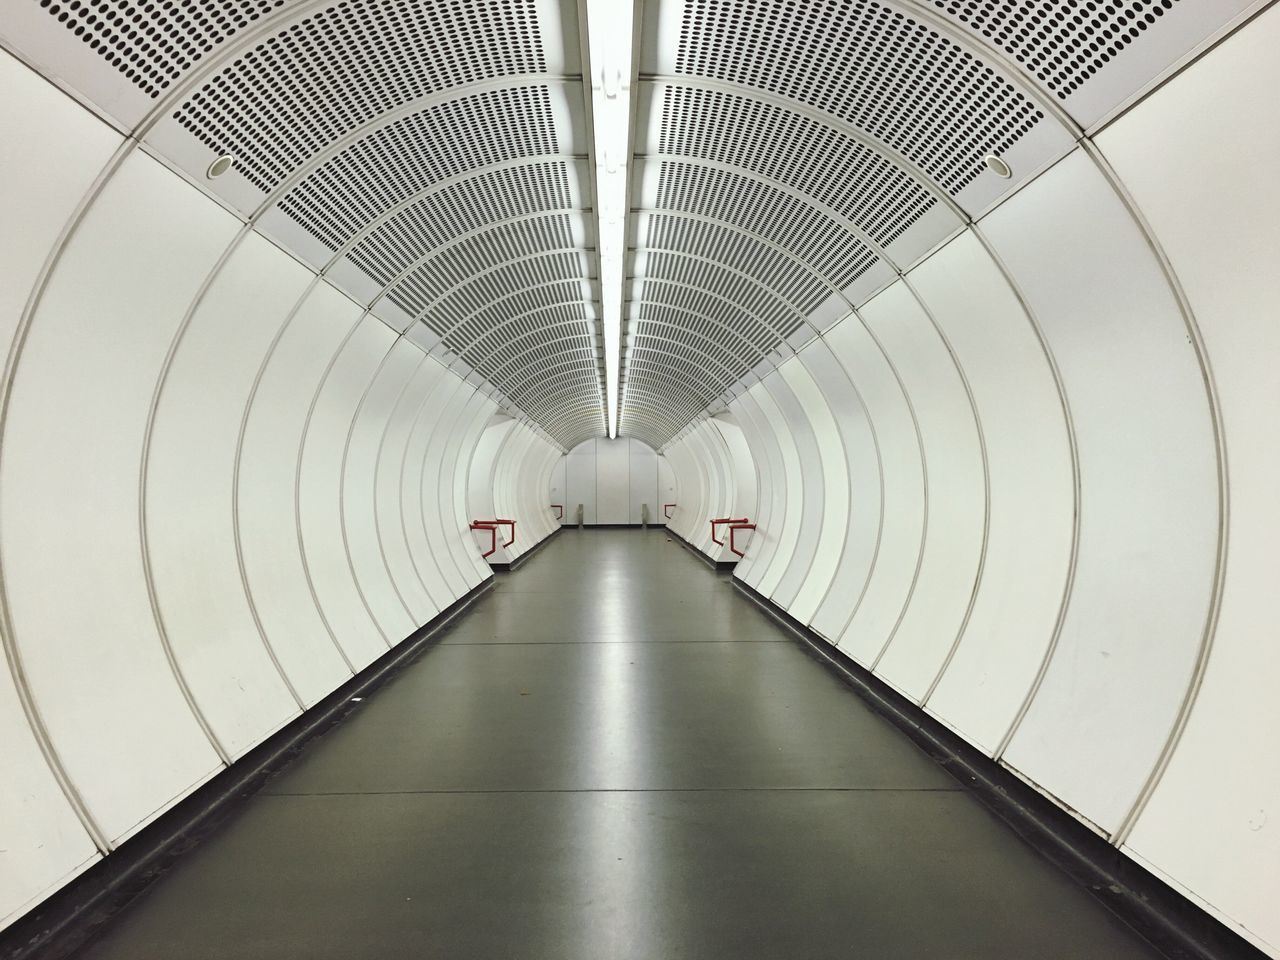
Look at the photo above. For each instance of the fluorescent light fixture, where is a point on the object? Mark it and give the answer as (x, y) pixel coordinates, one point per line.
(609, 25)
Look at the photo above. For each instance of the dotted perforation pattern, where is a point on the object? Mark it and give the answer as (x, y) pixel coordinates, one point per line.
(807, 233)
(737, 287)
(715, 242)
(331, 73)
(514, 350)
(698, 333)
(570, 375)
(1063, 43)
(521, 352)
(153, 42)
(518, 331)
(515, 303)
(447, 267)
(419, 151)
(415, 235)
(760, 328)
(461, 207)
(868, 65)
(492, 286)
(791, 148)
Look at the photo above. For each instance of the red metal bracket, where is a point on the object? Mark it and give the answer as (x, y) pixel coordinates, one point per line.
(492, 527)
(718, 520)
(493, 536)
(560, 507)
(666, 512)
(734, 528)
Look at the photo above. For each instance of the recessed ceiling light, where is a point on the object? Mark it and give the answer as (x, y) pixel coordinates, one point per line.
(998, 166)
(220, 166)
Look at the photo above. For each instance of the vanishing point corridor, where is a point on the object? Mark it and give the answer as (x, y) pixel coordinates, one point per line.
(614, 754)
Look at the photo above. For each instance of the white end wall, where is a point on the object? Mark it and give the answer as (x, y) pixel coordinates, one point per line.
(614, 481)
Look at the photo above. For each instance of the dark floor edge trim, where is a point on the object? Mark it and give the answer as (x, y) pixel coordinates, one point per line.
(719, 565)
(515, 564)
(614, 526)
(65, 921)
(1163, 916)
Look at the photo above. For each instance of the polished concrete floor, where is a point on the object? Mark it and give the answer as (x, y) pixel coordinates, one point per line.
(614, 755)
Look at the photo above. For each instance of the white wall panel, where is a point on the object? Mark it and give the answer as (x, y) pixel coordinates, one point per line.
(710, 503)
(877, 609)
(45, 844)
(320, 483)
(742, 472)
(1148, 509)
(772, 505)
(613, 477)
(724, 486)
(834, 506)
(1032, 494)
(74, 440)
(817, 453)
(190, 472)
(269, 470)
(771, 419)
(370, 374)
(954, 492)
(860, 474)
(475, 568)
(642, 482)
(413, 519)
(559, 487)
(1210, 826)
(580, 483)
(39, 189)
(681, 478)
(389, 482)
(666, 490)
(435, 483)
(487, 480)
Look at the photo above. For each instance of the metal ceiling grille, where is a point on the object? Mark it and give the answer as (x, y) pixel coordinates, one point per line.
(791, 156)
(867, 64)
(448, 265)
(794, 149)
(333, 72)
(1064, 45)
(153, 43)
(410, 155)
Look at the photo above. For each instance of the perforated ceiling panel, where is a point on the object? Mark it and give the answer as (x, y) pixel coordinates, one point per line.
(1091, 56)
(154, 43)
(432, 158)
(425, 152)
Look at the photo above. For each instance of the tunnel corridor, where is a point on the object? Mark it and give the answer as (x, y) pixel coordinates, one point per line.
(614, 754)
(639, 478)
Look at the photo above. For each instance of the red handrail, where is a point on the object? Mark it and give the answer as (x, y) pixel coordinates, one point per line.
(734, 528)
(560, 507)
(492, 527)
(493, 536)
(722, 520)
(665, 512)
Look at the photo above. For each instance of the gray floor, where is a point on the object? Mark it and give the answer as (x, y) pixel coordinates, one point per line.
(614, 755)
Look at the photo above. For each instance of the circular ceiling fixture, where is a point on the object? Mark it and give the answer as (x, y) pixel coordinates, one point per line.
(225, 163)
(998, 166)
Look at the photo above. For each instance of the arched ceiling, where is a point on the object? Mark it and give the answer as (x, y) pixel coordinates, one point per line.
(433, 158)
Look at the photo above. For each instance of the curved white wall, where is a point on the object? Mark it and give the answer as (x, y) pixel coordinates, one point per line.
(224, 488)
(509, 471)
(997, 483)
(1030, 483)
